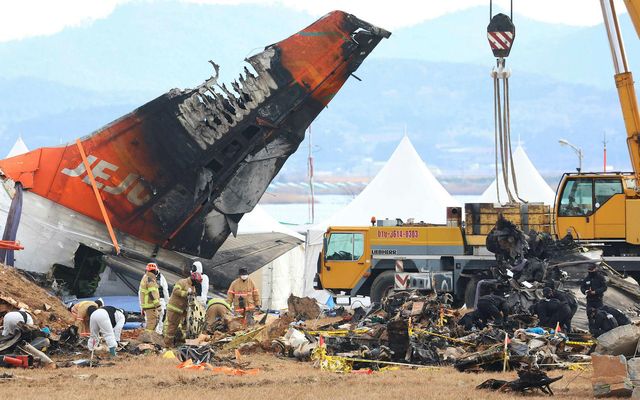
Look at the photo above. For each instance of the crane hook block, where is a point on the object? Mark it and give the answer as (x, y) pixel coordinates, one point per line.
(501, 32)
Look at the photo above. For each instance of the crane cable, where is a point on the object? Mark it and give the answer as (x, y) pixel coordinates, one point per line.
(508, 137)
(501, 33)
(499, 126)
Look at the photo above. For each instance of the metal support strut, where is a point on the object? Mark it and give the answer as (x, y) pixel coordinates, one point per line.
(103, 210)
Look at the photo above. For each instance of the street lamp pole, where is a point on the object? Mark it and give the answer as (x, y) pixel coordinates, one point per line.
(577, 149)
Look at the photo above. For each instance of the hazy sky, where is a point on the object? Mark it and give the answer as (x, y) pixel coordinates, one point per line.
(24, 18)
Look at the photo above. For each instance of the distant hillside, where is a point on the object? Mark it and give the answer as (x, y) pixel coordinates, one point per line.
(446, 109)
(151, 47)
(52, 130)
(59, 87)
(448, 113)
(25, 98)
(565, 53)
(46, 113)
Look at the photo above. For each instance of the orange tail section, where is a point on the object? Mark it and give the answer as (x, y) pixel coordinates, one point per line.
(181, 170)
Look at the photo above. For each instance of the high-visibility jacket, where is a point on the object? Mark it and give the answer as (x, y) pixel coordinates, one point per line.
(149, 292)
(178, 301)
(79, 310)
(246, 290)
(218, 301)
(217, 309)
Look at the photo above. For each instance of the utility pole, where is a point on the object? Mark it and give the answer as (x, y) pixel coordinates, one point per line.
(312, 211)
(578, 151)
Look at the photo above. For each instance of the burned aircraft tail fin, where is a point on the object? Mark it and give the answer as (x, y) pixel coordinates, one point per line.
(180, 171)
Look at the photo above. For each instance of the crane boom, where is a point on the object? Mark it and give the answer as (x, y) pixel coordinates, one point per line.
(633, 7)
(624, 77)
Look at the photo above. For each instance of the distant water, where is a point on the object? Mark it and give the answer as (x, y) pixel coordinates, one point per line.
(325, 207)
(298, 213)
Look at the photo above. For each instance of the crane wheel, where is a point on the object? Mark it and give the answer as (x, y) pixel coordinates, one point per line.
(382, 286)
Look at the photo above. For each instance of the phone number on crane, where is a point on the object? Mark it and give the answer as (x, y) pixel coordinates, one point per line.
(398, 234)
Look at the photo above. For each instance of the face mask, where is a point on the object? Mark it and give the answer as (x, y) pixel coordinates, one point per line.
(244, 277)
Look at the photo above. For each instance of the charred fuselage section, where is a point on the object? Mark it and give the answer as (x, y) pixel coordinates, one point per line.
(238, 139)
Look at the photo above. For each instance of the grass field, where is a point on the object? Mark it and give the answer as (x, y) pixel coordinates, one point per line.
(154, 377)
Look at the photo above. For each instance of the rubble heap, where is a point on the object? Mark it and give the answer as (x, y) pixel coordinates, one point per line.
(16, 291)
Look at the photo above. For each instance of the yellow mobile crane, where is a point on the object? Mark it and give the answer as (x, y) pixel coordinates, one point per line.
(604, 208)
(601, 208)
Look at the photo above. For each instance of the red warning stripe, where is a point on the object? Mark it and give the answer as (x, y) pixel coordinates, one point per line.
(402, 281)
(500, 40)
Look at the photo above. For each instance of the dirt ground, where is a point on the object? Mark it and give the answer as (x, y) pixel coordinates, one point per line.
(16, 287)
(152, 376)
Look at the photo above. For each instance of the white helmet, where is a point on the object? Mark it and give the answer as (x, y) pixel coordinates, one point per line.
(196, 267)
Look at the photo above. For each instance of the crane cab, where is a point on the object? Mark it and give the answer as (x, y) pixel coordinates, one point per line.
(602, 207)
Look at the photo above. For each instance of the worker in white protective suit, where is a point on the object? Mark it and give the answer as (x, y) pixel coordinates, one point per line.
(164, 298)
(12, 319)
(204, 294)
(107, 322)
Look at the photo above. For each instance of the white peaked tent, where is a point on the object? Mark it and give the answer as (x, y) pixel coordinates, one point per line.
(260, 221)
(282, 276)
(404, 188)
(531, 186)
(19, 147)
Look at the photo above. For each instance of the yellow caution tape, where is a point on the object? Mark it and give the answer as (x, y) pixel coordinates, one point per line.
(413, 331)
(576, 367)
(587, 343)
(364, 360)
(339, 332)
(345, 364)
(430, 333)
(329, 363)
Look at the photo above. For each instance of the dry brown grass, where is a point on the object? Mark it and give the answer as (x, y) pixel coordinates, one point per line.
(157, 378)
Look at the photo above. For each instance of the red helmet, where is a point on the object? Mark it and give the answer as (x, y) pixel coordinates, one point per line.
(152, 267)
(196, 276)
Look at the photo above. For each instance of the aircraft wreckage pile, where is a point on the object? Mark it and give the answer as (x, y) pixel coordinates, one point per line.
(407, 329)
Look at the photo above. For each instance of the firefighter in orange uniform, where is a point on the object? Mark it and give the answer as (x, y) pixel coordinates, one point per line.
(149, 296)
(218, 315)
(79, 311)
(177, 306)
(243, 295)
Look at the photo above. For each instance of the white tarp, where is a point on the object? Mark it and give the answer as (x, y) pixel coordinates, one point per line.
(282, 276)
(19, 147)
(404, 188)
(531, 185)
